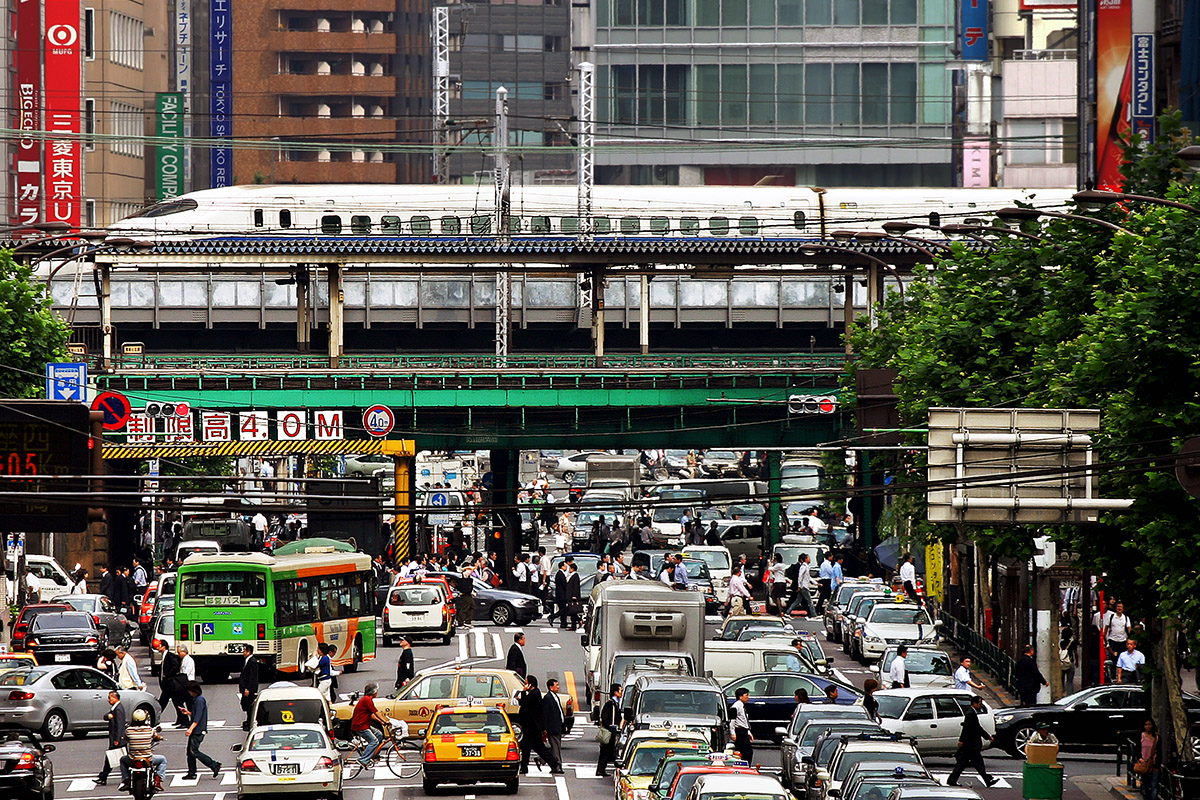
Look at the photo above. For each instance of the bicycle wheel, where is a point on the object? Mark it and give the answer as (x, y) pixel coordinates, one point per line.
(351, 768)
(404, 763)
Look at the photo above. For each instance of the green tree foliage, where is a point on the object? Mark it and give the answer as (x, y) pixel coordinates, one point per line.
(32, 334)
(1093, 318)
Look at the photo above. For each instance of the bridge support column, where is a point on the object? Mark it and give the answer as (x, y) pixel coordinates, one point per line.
(644, 316)
(505, 535)
(874, 293)
(337, 317)
(402, 530)
(303, 323)
(774, 508)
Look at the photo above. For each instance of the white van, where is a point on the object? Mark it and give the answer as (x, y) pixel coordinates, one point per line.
(50, 574)
(726, 661)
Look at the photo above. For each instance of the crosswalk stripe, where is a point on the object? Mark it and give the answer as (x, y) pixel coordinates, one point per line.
(80, 785)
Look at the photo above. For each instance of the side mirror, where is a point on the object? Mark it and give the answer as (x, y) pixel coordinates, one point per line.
(824, 662)
(583, 639)
(234, 748)
(823, 776)
(780, 731)
(937, 623)
(48, 748)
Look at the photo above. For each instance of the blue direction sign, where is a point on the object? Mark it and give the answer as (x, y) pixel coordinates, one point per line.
(66, 381)
(438, 499)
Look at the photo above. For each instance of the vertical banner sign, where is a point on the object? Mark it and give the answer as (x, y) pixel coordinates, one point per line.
(29, 111)
(1143, 84)
(183, 76)
(63, 99)
(168, 131)
(973, 29)
(1114, 23)
(220, 61)
(977, 164)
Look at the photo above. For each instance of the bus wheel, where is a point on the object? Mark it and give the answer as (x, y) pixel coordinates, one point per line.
(355, 655)
(301, 657)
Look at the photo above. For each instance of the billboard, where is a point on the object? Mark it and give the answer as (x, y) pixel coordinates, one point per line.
(28, 82)
(1142, 92)
(63, 99)
(168, 131)
(183, 79)
(973, 29)
(977, 164)
(1114, 40)
(220, 77)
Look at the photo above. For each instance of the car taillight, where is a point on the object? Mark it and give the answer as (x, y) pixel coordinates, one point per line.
(17, 694)
(385, 614)
(513, 753)
(261, 631)
(31, 643)
(324, 762)
(96, 619)
(24, 762)
(432, 756)
(93, 640)
(248, 765)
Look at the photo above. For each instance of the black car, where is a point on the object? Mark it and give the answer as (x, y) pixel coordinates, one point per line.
(773, 698)
(65, 637)
(118, 628)
(24, 768)
(500, 606)
(1100, 717)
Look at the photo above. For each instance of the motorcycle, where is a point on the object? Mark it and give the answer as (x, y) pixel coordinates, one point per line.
(141, 778)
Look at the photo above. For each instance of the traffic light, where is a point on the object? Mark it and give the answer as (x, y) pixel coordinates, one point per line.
(154, 409)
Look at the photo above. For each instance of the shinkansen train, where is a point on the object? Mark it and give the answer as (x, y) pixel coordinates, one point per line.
(685, 211)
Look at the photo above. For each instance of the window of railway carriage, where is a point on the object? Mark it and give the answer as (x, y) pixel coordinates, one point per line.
(360, 224)
(689, 225)
(660, 225)
(481, 225)
(601, 224)
(451, 226)
(718, 226)
(331, 224)
(514, 224)
(748, 226)
(935, 219)
(539, 225)
(631, 225)
(285, 218)
(390, 224)
(258, 217)
(799, 220)
(421, 226)
(569, 225)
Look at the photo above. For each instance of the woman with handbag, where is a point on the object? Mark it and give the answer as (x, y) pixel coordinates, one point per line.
(611, 722)
(1147, 764)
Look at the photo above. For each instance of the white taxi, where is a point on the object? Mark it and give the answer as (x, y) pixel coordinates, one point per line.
(289, 759)
(418, 609)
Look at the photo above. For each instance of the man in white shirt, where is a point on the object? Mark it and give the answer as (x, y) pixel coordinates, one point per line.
(740, 726)
(738, 588)
(33, 587)
(908, 577)
(898, 670)
(259, 521)
(127, 671)
(962, 676)
(1129, 663)
(804, 587)
(1116, 629)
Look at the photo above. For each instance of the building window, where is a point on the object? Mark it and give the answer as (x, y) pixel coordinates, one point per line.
(125, 40)
(89, 124)
(128, 129)
(650, 94)
(1033, 142)
(89, 34)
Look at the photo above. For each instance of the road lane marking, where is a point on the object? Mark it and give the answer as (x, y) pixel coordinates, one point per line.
(179, 780)
(561, 784)
(229, 778)
(841, 676)
(480, 647)
(81, 785)
(496, 642)
(569, 679)
(378, 793)
(462, 647)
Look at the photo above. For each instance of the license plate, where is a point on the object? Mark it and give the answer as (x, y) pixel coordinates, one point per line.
(287, 769)
(58, 657)
(234, 647)
(472, 752)
(415, 613)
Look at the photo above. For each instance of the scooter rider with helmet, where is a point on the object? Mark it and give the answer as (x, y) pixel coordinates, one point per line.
(139, 746)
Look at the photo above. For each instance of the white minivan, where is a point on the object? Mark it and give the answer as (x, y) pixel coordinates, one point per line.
(50, 574)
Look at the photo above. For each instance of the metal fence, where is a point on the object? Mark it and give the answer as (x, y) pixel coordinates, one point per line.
(983, 652)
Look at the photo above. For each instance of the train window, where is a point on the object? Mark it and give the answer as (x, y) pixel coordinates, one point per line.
(689, 225)
(660, 225)
(481, 225)
(360, 224)
(935, 219)
(169, 207)
(601, 224)
(331, 224)
(390, 224)
(285, 218)
(451, 225)
(258, 217)
(539, 225)
(718, 226)
(748, 226)
(569, 225)
(421, 226)
(798, 220)
(514, 225)
(631, 225)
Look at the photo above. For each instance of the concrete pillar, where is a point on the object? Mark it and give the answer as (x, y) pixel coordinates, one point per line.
(504, 537)
(1045, 642)
(644, 315)
(106, 319)
(774, 489)
(874, 293)
(848, 309)
(402, 538)
(337, 316)
(303, 323)
(598, 311)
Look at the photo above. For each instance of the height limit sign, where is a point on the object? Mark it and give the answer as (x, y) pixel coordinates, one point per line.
(378, 421)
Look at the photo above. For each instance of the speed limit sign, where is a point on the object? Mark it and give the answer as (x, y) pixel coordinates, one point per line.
(378, 420)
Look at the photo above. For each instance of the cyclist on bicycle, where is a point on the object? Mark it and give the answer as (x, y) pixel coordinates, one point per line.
(360, 723)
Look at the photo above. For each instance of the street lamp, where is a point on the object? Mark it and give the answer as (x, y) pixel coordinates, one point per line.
(1016, 215)
(1095, 198)
(1190, 156)
(956, 229)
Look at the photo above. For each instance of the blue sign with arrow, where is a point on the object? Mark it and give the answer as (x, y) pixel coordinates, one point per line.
(66, 381)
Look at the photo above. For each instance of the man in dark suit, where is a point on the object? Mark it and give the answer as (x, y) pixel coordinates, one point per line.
(554, 718)
(970, 745)
(248, 683)
(406, 669)
(168, 674)
(516, 655)
(560, 595)
(107, 585)
(116, 736)
(533, 727)
(610, 720)
(573, 595)
(1028, 677)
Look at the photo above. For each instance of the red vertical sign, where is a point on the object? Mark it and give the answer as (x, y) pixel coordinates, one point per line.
(28, 64)
(1114, 46)
(63, 99)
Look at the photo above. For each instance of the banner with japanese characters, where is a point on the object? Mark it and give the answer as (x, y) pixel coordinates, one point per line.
(63, 101)
(28, 82)
(220, 92)
(201, 425)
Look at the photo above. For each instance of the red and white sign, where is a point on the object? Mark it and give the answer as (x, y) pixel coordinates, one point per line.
(327, 426)
(139, 429)
(215, 427)
(291, 426)
(253, 426)
(179, 429)
(63, 100)
(379, 420)
(28, 96)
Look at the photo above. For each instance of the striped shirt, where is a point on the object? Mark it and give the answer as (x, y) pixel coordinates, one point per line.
(139, 741)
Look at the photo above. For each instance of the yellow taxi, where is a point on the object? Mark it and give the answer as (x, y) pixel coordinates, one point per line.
(417, 702)
(470, 743)
(22, 659)
(644, 750)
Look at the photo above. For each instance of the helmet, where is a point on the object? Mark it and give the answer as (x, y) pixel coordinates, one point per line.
(140, 716)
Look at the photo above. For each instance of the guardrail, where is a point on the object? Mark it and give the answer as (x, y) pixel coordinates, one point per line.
(984, 653)
(565, 361)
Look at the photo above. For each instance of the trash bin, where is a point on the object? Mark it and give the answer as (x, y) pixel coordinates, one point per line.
(1042, 781)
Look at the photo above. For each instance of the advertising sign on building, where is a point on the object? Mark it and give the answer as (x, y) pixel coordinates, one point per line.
(63, 100)
(1143, 84)
(168, 107)
(220, 61)
(1114, 39)
(977, 164)
(28, 63)
(183, 79)
(973, 29)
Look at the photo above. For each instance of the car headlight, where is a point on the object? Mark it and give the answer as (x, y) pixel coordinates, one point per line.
(1001, 719)
(639, 794)
(875, 639)
(707, 589)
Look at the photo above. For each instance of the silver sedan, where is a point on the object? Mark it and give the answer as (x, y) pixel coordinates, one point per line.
(64, 699)
(289, 759)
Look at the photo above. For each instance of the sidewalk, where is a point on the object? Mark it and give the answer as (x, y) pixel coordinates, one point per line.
(1105, 787)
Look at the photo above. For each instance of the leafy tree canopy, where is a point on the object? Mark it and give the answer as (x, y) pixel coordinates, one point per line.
(33, 335)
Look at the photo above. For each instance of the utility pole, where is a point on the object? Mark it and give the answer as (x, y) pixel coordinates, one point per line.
(503, 212)
(441, 94)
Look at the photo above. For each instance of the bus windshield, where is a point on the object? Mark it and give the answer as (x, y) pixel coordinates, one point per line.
(222, 588)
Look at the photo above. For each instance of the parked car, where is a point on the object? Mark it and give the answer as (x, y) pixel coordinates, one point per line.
(62, 637)
(924, 667)
(57, 700)
(731, 628)
(866, 747)
(932, 718)
(773, 698)
(719, 463)
(567, 466)
(118, 628)
(874, 779)
(26, 771)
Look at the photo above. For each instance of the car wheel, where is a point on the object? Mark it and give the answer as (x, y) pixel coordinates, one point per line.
(1020, 738)
(429, 786)
(566, 476)
(512, 786)
(502, 614)
(55, 726)
(127, 640)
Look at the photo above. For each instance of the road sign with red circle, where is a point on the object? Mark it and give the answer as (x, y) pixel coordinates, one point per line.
(116, 409)
(379, 420)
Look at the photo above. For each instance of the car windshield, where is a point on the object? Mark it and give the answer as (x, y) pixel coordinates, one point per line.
(800, 477)
(22, 676)
(739, 796)
(891, 706)
(283, 739)
(899, 615)
(721, 455)
(791, 552)
(645, 760)
(756, 632)
(681, 701)
(844, 593)
(166, 624)
(923, 662)
(668, 513)
(874, 789)
(483, 721)
(743, 510)
(696, 568)
(849, 759)
(61, 621)
(424, 596)
(669, 768)
(288, 711)
(801, 718)
(685, 784)
(734, 627)
(715, 559)
(223, 588)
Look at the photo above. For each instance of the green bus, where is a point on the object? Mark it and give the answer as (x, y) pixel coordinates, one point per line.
(283, 605)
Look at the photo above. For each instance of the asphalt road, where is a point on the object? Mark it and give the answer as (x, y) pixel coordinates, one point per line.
(551, 653)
